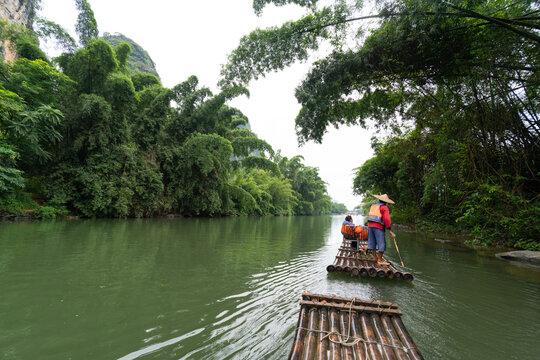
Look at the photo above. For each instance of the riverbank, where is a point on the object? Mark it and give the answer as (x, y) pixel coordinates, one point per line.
(470, 237)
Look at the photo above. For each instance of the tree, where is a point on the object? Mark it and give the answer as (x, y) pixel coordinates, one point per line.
(381, 79)
(86, 26)
(101, 140)
(204, 165)
(309, 187)
(10, 177)
(456, 86)
(338, 208)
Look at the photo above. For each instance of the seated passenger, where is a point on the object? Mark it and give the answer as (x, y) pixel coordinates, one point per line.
(348, 230)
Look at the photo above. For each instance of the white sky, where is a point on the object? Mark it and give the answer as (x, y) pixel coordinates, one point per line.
(186, 38)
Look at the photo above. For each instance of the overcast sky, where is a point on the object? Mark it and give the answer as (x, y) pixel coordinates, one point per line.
(186, 38)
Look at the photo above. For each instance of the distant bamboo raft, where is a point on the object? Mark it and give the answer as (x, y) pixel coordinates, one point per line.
(332, 327)
(350, 260)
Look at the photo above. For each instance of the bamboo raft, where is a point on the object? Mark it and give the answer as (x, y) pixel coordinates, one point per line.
(350, 260)
(332, 327)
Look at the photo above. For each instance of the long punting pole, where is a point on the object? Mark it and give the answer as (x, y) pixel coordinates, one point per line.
(402, 264)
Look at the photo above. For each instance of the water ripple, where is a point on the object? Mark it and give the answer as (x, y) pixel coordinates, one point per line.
(155, 347)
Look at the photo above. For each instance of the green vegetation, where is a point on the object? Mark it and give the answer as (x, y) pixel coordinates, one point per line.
(91, 137)
(452, 90)
(139, 60)
(338, 208)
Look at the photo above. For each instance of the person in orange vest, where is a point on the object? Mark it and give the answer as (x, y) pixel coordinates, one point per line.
(379, 219)
(347, 229)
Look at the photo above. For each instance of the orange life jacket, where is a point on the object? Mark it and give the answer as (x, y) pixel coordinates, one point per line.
(361, 232)
(375, 213)
(347, 230)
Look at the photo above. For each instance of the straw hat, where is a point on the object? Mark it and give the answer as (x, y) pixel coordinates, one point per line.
(384, 198)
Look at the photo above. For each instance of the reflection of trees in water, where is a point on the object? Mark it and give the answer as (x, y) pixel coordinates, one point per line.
(107, 251)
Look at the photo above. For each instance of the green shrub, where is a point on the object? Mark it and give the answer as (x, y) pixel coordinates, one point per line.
(51, 210)
(500, 218)
(16, 204)
(45, 212)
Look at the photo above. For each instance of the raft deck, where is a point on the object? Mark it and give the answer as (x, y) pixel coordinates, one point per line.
(355, 262)
(332, 327)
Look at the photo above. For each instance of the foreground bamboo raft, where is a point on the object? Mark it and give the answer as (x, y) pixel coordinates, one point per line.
(350, 260)
(332, 327)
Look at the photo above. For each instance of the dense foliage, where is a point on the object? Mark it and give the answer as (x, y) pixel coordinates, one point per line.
(453, 86)
(91, 137)
(139, 60)
(338, 208)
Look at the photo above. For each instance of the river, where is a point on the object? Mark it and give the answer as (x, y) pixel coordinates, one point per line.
(229, 288)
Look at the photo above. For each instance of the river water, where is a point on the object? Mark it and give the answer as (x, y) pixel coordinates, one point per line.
(229, 288)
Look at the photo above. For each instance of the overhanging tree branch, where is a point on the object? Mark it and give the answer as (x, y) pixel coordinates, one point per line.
(465, 14)
(495, 21)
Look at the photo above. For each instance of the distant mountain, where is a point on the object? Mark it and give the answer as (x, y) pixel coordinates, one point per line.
(139, 60)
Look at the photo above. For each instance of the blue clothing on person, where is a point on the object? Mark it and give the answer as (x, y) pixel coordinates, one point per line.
(376, 239)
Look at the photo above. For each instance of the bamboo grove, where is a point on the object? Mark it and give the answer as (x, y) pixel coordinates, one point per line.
(93, 138)
(451, 89)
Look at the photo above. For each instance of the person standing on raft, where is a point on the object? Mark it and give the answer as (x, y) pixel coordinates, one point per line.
(378, 220)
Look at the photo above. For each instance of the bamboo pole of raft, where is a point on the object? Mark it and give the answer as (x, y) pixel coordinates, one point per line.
(369, 266)
(414, 353)
(334, 298)
(389, 269)
(333, 267)
(393, 336)
(368, 309)
(363, 271)
(330, 268)
(298, 344)
(311, 341)
(335, 349)
(340, 258)
(346, 265)
(352, 263)
(388, 351)
(372, 271)
(361, 265)
(398, 275)
(370, 337)
(339, 264)
(360, 349)
(322, 345)
(407, 276)
(345, 262)
(345, 330)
